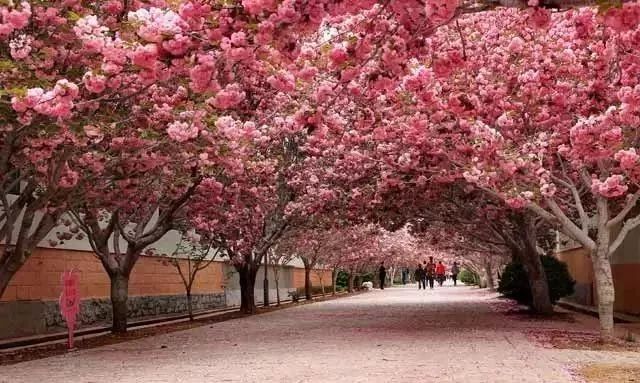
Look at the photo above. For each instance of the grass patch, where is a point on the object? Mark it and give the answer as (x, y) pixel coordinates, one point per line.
(610, 373)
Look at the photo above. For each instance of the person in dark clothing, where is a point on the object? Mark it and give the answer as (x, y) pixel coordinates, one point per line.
(430, 272)
(405, 276)
(382, 272)
(455, 270)
(419, 275)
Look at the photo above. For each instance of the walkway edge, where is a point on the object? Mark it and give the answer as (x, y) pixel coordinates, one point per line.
(13, 344)
(593, 311)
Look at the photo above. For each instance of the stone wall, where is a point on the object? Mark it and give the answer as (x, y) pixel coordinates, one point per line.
(24, 318)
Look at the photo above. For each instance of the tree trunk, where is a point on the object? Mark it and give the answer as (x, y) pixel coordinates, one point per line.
(334, 278)
(524, 250)
(276, 280)
(606, 292)
(247, 285)
(190, 305)
(9, 268)
(119, 297)
(307, 282)
(322, 284)
(489, 271)
(537, 278)
(482, 281)
(350, 283)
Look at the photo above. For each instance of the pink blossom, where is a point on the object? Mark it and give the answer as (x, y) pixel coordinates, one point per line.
(517, 202)
(516, 45)
(111, 68)
(201, 75)
(540, 18)
(440, 10)
(612, 187)
(255, 7)
(548, 189)
(338, 55)
(65, 88)
(628, 159)
(527, 194)
(69, 178)
(193, 10)
(230, 97)
(19, 105)
(178, 45)
(622, 19)
(113, 7)
(239, 39)
(145, 56)
(283, 81)
(91, 32)
(181, 131)
(93, 132)
(157, 23)
(18, 19)
(94, 83)
(308, 73)
(322, 93)
(20, 47)
(228, 126)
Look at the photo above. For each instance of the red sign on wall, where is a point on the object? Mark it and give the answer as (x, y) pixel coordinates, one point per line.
(70, 301)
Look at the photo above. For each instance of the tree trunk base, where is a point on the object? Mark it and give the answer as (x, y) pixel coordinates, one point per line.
(119, 298)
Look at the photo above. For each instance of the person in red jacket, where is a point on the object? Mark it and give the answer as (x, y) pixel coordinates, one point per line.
(440, 273)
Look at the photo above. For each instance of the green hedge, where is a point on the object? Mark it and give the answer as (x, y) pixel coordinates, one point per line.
(515, 285)
(468, 277)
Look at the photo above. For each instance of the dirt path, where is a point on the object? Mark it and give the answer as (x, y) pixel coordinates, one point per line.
(400, 334)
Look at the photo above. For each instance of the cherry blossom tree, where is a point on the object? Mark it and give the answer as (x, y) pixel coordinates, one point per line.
(198, 252)
(38, 50)
(558, 137)
(277, 258)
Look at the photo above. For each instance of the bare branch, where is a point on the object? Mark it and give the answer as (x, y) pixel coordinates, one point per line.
(628, 226)
(621, 216)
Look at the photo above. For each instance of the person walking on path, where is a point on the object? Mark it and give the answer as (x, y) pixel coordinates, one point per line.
(440, 273)
(455, 270)
(382, 273)
(419, 275)
(430, 272)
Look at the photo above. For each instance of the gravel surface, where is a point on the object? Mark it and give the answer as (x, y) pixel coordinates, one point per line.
(449, 334)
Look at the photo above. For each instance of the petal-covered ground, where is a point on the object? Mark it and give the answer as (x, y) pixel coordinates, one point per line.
(449, 334)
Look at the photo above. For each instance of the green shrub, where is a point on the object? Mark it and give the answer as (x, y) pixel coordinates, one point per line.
(368, 277)
(317, 290)
(515, 285)
(468, 277)
(343, 279)
(294, 295)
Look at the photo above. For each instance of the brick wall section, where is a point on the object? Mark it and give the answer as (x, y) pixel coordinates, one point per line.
(39, 278)
(625, 279)
(298, 278)
(579, 264)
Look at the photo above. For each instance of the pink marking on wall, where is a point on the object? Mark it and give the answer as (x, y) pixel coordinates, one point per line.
(70, 301)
